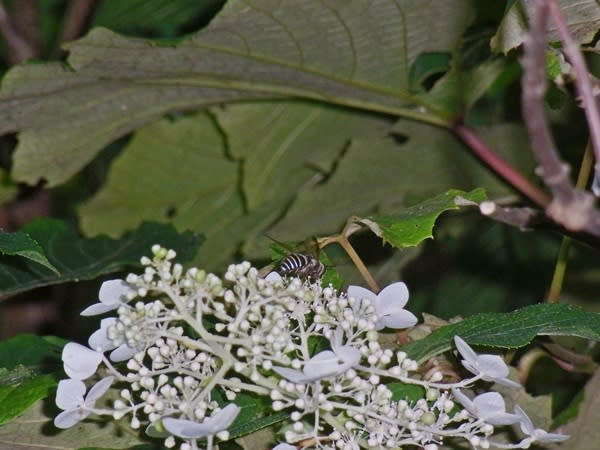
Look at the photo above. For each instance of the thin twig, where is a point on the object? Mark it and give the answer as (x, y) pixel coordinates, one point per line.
(570, 207)
(582, 81)
(19, 49)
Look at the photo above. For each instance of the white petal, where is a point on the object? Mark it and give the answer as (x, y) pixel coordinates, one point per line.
(185, 429)
(69, 394)
(466, 352)
(96, 309)
(359, 293)
(98, 391)
(328, 363)
(219, 421)
(99, 339)
(492, 366)
(524, 421)
(273, 277)
(395, 294)
(491, 407)
(489, 403)
(543, 436)
(284, 446)
(501, 418)
(123, 353)
(292, 375)
(67, 419)
(113, 292)
(537, 433)
(398, 320)
(463, 400)
(79, 361)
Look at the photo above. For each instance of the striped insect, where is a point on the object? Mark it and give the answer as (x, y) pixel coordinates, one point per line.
(302, 266)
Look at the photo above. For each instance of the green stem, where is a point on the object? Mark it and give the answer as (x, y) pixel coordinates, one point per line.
(560, 269)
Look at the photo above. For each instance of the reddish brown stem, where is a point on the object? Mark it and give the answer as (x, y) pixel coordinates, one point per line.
(500, 167)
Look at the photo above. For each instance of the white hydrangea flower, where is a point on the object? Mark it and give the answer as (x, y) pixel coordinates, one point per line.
(389, 305)
(187, 429)
(488, 367)
(489, 406)
(191, 334)
(323, 365)
(70, 398)
(536, 434)
(113, 293)
(80, 362)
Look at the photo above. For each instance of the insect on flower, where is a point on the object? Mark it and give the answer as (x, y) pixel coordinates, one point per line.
(295, 264)
(302, 266)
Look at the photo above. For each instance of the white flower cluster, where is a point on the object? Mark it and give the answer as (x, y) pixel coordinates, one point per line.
(184, 343)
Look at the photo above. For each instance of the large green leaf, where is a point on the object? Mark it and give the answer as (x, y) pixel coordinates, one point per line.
(77, 258)
(510, 330)
(351, 53)
(274, 149)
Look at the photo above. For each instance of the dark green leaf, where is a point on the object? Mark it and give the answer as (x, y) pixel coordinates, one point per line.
(77, 258)
(510, 330)
(408, 392)
(23, 245)
(415, 224)
(162, 17)
(426, 65)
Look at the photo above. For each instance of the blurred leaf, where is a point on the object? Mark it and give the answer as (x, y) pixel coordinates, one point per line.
(459, 89)
(509, 330)
(161, 17)
(22, 244)
(415, 224)
(34, 430)
(356, 55)
(77, 258)
(15, 399)
(584, 430)
(582, 20)
(426, 65)
(379, 176)
(8, 189)
(32, 352)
